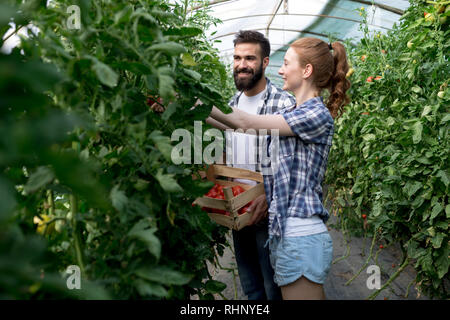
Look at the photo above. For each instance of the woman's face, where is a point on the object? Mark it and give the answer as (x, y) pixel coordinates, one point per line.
(291, 71)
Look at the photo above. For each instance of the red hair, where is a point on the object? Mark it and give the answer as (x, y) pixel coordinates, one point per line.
(329, 69)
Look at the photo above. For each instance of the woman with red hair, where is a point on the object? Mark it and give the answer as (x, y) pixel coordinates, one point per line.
(300, 246)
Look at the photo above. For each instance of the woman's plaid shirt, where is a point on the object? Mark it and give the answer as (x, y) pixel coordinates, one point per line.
(274, 100)
(295, 188)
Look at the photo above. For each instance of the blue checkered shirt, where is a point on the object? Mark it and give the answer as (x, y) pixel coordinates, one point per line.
(295, 188)
(274, 100)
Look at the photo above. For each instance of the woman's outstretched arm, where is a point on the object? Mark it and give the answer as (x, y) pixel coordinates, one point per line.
(239, 119)
(216, 124)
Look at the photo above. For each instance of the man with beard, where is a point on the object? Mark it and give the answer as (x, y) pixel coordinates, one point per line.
(257, 95)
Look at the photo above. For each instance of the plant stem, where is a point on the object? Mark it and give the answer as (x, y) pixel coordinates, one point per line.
(75, 232)
(51, 202)
(409, 287)
(367, 261)
(345, 234)
(13, 33)
(392, 278)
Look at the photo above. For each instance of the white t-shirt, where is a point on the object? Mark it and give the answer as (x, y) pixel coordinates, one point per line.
(243, 146)
(300, 227)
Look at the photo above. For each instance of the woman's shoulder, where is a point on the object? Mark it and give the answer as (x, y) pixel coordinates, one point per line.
(314, 107)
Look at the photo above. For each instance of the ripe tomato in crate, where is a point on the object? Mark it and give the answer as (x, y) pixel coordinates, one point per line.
(227, 202)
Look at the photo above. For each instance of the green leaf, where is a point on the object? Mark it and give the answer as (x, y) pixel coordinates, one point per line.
(214, 286)
(416, 89)
(167, 182)
(444, 177)
(165, 83)
(38, 179)
(105, 74)
(123, 15)
(193, 74)
(445, 118)
(414, 251)
(183, 31)
(417, 132)
(436, 210)
(6, 14)
(390, 121)
(137, 130)
(140, 13)
(163, 143)
(170, 111)
(118, 198)
(201, 112)
(411, 187)
(369, 137)
(376, 210)
(150, 289)
(8, 201)
(164, 275)
(447, 211)
(141, 184)
(188, 60)
(147, 236)
(442, 264)
(171, 48)
(426, 111)
(437, 240)
(426, 262)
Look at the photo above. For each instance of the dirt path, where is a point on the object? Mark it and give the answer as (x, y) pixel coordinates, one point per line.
(341, 271)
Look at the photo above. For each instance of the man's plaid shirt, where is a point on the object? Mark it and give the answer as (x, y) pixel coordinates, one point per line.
(295, 188)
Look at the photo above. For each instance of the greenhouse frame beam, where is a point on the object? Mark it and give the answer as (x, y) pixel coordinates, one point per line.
(303, 14)
(211, 3)
(272, 16)
(382, 6)
(279, 29)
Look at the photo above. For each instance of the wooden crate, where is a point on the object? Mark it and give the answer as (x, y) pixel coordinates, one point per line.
(231, 203)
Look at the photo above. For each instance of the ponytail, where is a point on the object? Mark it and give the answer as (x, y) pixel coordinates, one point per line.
(339, 84)
(330, 66)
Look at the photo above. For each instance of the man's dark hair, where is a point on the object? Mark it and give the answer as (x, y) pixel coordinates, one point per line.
(250, 36)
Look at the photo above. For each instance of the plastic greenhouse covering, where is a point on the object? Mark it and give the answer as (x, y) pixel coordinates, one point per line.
(284, 21)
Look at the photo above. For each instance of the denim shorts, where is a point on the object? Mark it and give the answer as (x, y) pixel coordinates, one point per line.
(309, 256)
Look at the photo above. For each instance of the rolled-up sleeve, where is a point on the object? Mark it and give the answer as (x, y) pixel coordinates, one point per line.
(312, 125)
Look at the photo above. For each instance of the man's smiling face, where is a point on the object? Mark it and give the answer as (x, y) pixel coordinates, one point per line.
(248, 65)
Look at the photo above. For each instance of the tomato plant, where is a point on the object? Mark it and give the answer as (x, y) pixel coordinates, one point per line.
(82, 151)
(390, 150)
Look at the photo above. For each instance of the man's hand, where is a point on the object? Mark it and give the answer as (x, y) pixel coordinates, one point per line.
(259, 209)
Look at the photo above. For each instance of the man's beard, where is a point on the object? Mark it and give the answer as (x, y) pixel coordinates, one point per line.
(247, 83)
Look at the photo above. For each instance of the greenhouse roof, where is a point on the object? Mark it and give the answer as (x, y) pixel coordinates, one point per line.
(284, 21)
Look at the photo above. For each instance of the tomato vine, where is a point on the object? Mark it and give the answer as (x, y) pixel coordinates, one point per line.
(390, 157)
(75, 125)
